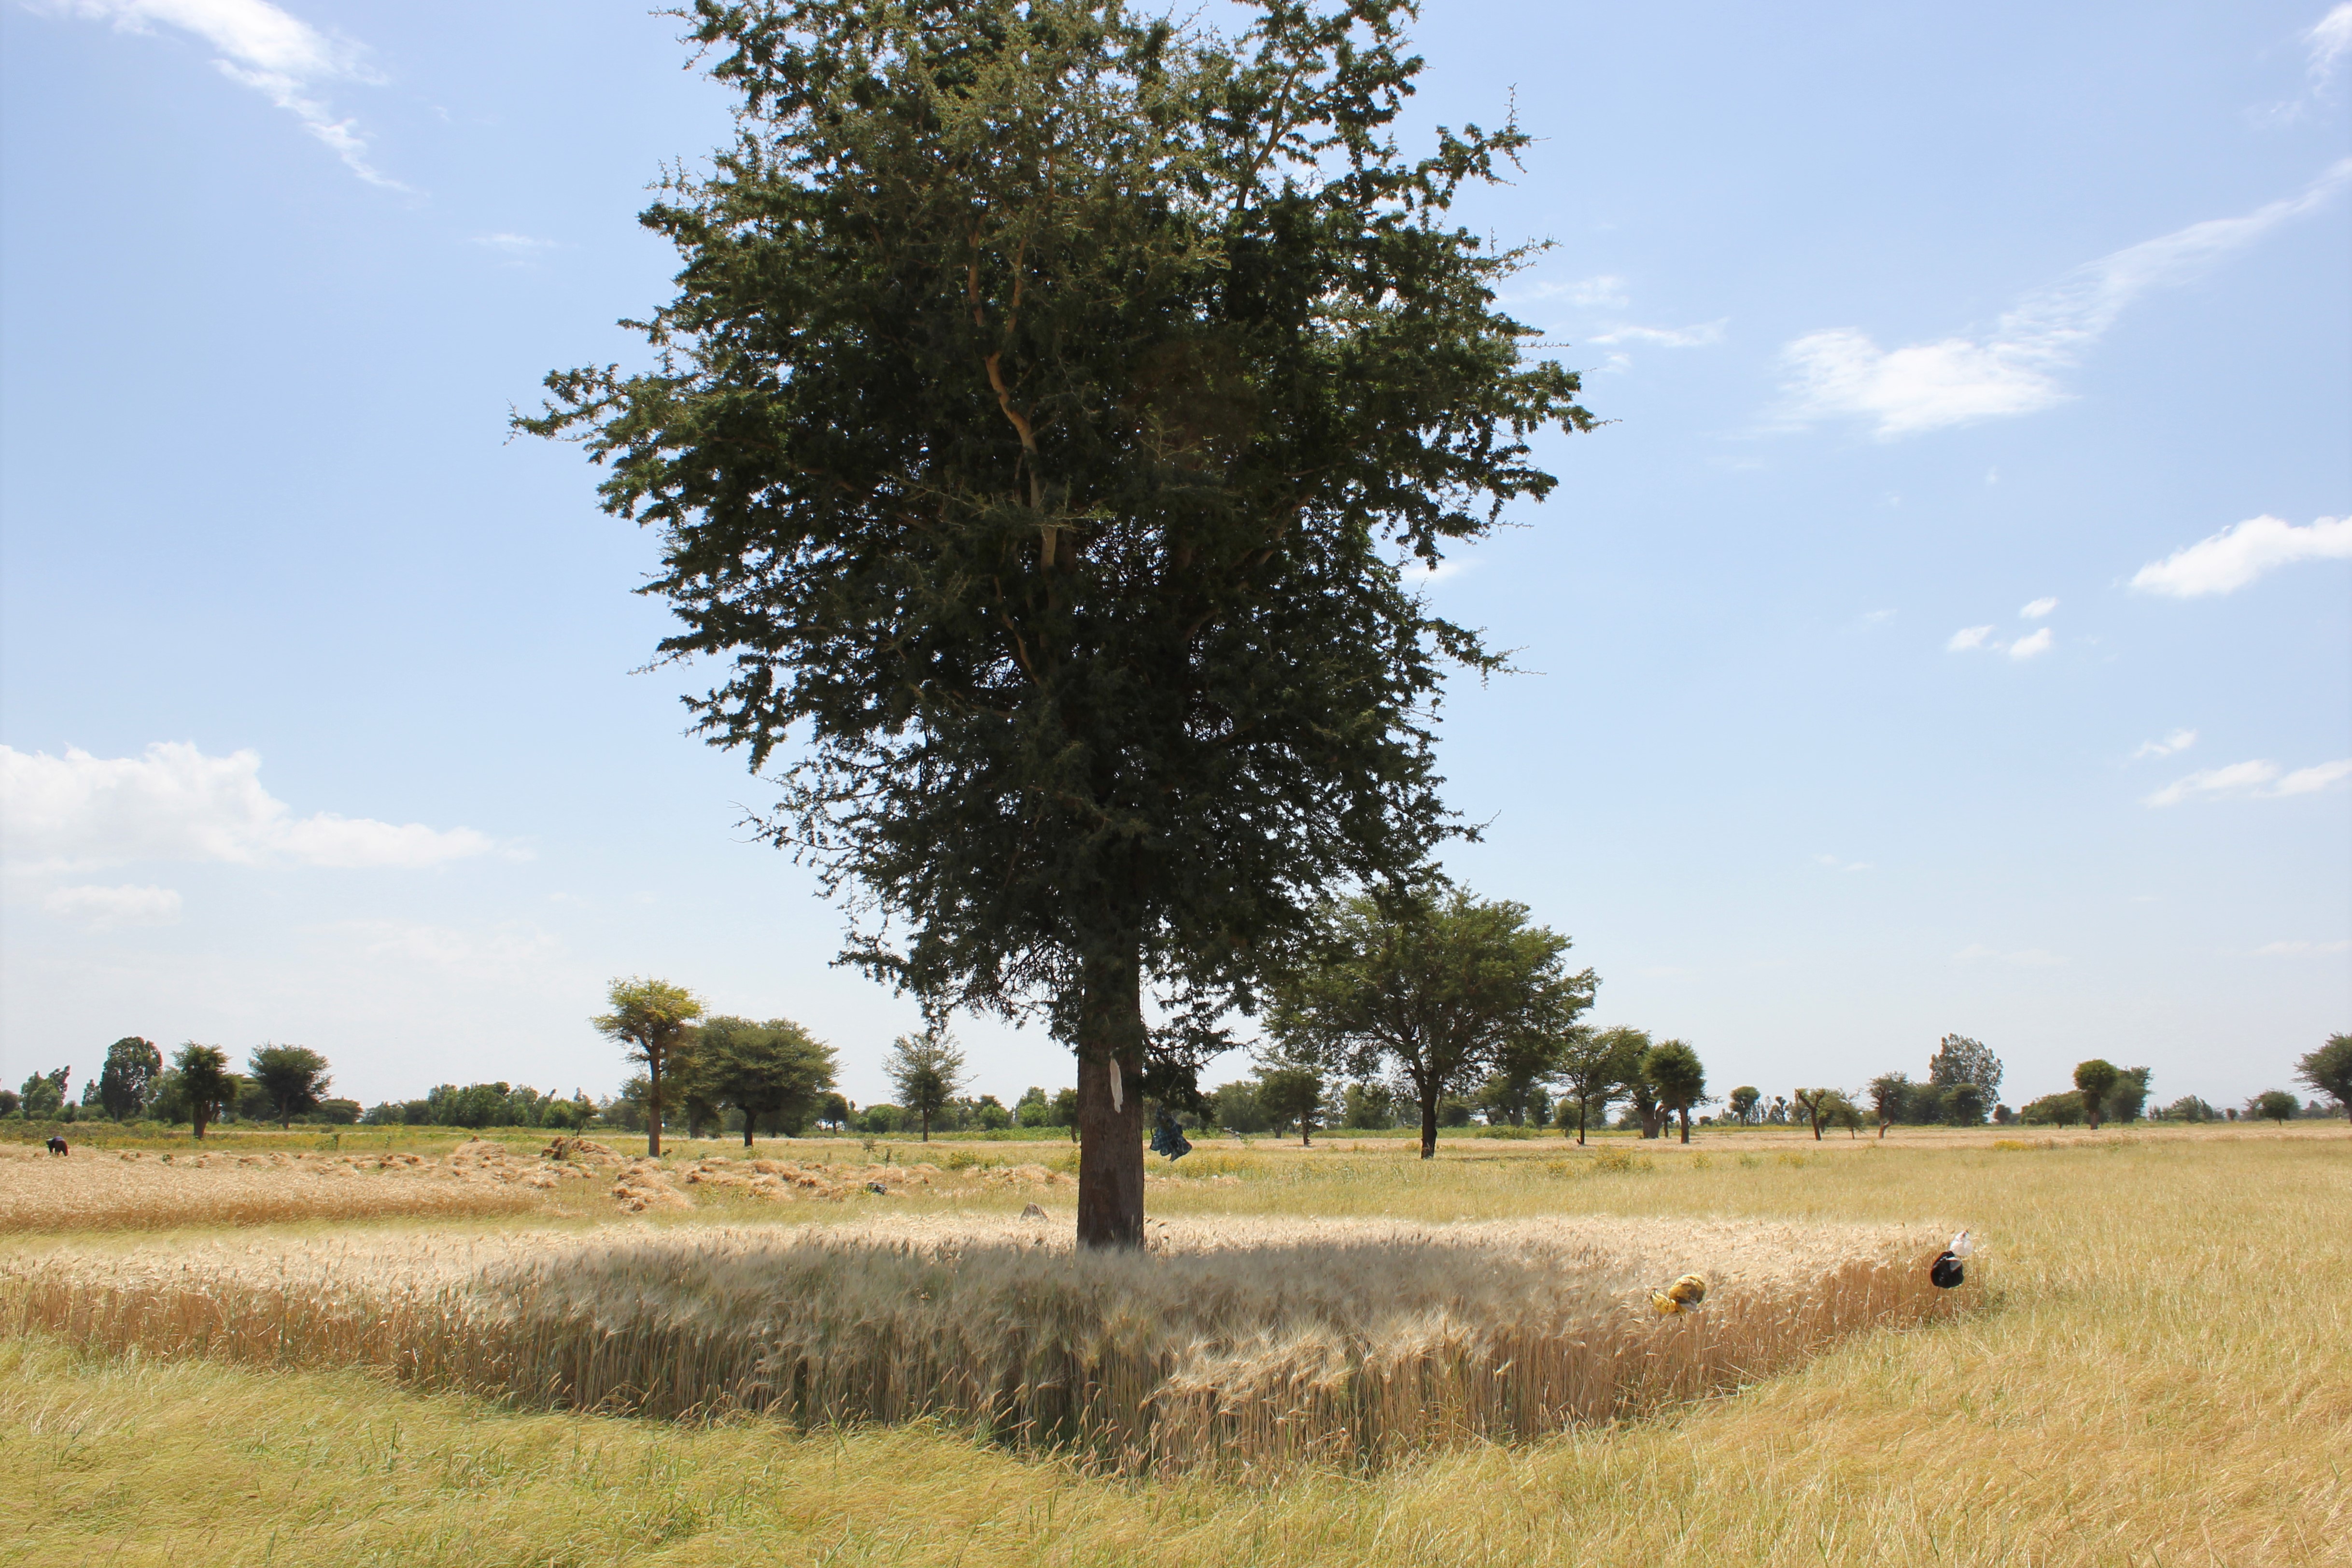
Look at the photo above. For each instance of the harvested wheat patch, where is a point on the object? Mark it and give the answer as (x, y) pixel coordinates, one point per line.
(1229, 1342)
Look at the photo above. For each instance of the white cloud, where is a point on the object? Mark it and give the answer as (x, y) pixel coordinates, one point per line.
(2297, 948)
(2225, 561)
(2329, 41)
(1604, 290)
(517, 245)
(176, 804)
(1703, 335)
(2312, 779)
(2179, 741)
(2249, 778)
(2028, 647)
(104, 907)
(2014, 370)
(2024, 958)
(276, 53)
(2039, 608)
(1967, 637)
(1834, 864)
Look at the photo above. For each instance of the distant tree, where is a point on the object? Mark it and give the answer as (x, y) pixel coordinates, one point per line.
(2054, 1109)
(2127, 1097)
(1368, 1105)
(1742, 1102)
(2328, 1069)
(1842, 1111)
(1236, 1108)
(1438, 986)
(292, 1080)
(926, 1070)
(128, 1081)
(2002, 1115)
(1643, 1108)
(881, 1119)
(774, 1071)
(2092, 1079)
(989, 1113)
(1964, 1105)
(1292, 1091)
(1959, 1060)
(1890, 1098)
(45, 1094)
(1596, 1066)
(1066, 1110)
(2275, 1105)
(1033, 1109)
(10, 1102)
(205, 1081)
(2189, 1108)
(1816, 1104)
(1674, 1070)
(651, 1018)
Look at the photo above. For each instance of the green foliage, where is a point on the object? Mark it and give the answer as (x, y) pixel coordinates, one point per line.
(1047, 399)
(2127, 1097)
(1290, 1092)
(1368, 1105)
(1964, 1105)
(926, 1070)
(2092, 1079)
(1595, 1066)
(2328, 1070)
(2189, 1108)
(2054, 1109)
(877, 1119)
(43, 1094)
(204, 1082)
(1437, 986)
(10, 1102)
(1742, 1103)
(771, 1073)
(1236, 1110)
(1959, 1060)
(650, 1018)
(127, 1082)
(2273, 1105)
(1672, 1069)
(292, 1078)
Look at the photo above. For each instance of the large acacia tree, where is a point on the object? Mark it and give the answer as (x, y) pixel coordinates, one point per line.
(1053, 402)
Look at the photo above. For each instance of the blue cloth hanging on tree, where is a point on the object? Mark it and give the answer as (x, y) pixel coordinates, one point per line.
(1168, 1139)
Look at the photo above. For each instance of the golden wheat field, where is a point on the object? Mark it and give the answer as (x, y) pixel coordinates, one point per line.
(1336, 1355)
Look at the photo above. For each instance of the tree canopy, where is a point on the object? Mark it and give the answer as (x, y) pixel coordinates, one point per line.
(2328, 1072)
(926, 1070)
(205, 1081)
(650, 1018)
(775, 1072)
(1673, 1069)
(1959, 1060)
(2092, 1079)
(1595, 1066)
(1433, 983)
(127, 1081)
(293, 1078)
(1050, 402)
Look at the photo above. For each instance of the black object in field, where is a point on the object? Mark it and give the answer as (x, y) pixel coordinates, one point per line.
(1168, 1139)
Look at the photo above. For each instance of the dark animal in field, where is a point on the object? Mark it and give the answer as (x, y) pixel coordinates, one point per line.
(56, 1144)
(1946, 1271)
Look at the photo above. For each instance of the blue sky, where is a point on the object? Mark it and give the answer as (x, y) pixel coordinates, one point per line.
(1952, 632)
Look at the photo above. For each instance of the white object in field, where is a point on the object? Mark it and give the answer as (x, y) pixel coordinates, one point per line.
(1962, 1246)
(1117, 1098)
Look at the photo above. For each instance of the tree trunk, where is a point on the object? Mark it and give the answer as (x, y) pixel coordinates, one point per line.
(1686, 1115)
(748, 1120)
(1579, 1125)
(653, 1105)
(1110, 1104)
(196, 1114)
(1429, 1126)
(927, 1126)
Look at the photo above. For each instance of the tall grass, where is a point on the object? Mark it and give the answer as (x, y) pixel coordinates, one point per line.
(1231, 1344)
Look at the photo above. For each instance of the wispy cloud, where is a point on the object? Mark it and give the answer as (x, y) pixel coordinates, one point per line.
(2328, 42)
(2029, 647)
(1834, 864)
(1969, 638)
(520, 247)
(2024, 958)
(1841, 372)
(2039, 608)
(104, 907)
(2228, 560)
(2298, 949)
(2179, 741)
(174, 803)
(1704, 335)
(2257, 779)
(275, 53)
(1604, 291)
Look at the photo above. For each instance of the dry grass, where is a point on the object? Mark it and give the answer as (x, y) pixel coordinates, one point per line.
(2162, 1373)
(1234, 1344)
